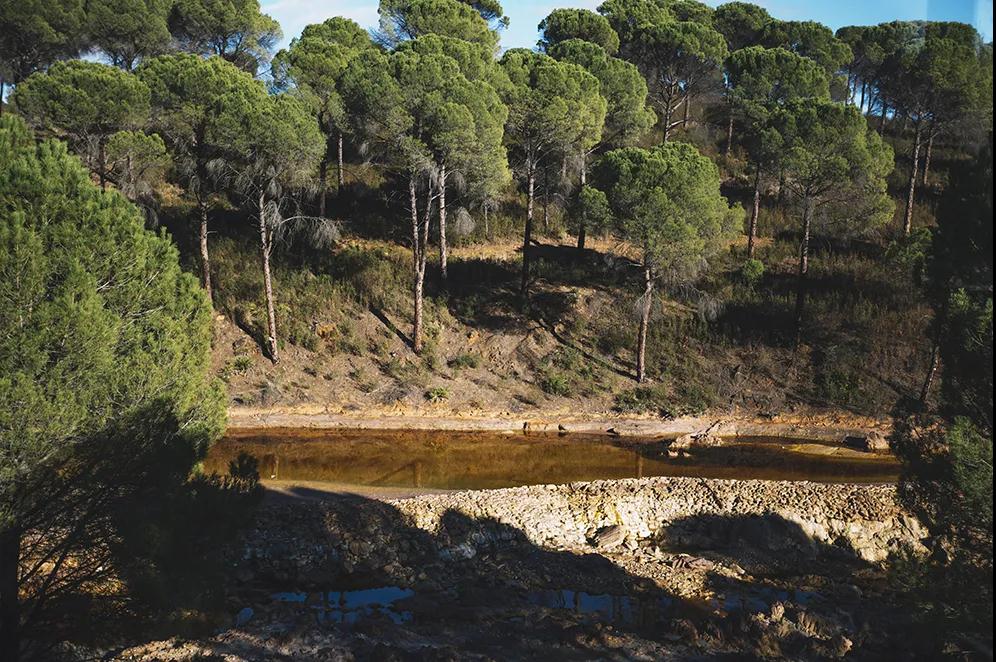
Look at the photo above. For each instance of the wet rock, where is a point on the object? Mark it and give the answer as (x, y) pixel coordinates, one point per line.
(872, 442)
(696, 440)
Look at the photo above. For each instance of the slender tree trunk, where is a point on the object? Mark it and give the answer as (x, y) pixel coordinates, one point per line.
(684, 113)
(935, 352)
(931, 132)
(443, 253)
(583, 221)
(905, 125)
(729, 134)
(546, 199)
(487, 228)
(323, 179)
(265, 246)
(914, 167)
(641, 348)
(3, 87)
(417, 272)
(881, 121)
(668, 113)
(754, 212)
(10, 606)
(935, 363)
(527, 236)
(340, 172)
(800, 297)
(862, 106)
(205, 258)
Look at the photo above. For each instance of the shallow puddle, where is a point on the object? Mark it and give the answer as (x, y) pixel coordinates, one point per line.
(462, 460)
(620, 609)
(351, 607)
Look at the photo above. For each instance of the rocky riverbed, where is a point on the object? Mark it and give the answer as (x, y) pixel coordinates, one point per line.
(661, 567)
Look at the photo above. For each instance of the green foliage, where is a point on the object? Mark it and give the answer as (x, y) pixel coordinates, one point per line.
(235, 30)
(667, 201)
(835, 164)
(36, 33)
(627, 116)
(752, 271)
(948, 471)
(401, 20)
(679, 54)
(84, 103)
(437, 394)
(105, 394)
(740, 23)
(567, 24)
(465, 360)
(551, 106)
(808, 39)
(126, 31)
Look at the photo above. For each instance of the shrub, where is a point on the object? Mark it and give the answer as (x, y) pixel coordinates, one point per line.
(437, 394)
(465, 360)
(752, 272)
(555, 383)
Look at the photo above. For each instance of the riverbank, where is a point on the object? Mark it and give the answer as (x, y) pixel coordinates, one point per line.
(680, 568)
(823, 426)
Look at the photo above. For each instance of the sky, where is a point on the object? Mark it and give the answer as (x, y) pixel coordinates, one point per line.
(525, 15)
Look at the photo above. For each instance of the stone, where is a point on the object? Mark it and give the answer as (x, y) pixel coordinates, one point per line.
(609, 537)
(872, 442)
(696, 440)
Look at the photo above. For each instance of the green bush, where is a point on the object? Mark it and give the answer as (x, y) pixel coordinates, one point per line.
(465, 360)
(555, 383)
(752, 272)
(437, 394)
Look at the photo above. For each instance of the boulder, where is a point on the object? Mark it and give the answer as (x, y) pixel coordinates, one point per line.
(609, 537)
(696, 440)
(872, 442)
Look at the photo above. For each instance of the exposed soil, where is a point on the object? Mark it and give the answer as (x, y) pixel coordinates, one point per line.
(733, 586)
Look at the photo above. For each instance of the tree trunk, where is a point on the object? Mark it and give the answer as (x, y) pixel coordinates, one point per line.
(265, 244)
(340, 172)
(546, 199)
(583, 221)
(442, 224)
(931, 132)
(10, 606)
(755, 210)
(908, 217)
(668, 113)
(323, 179)
(800, 296)
(487, 228)
(935, 362)
(527, 235)
(641, 348)
(729, 134)
(862, 106)
(881, 121)
(935, 351)
(417, 273)
(205, 258)
(684, 114)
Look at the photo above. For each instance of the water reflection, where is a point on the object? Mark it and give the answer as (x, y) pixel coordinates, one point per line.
(460, 460)
(623, 609)
(350, 607)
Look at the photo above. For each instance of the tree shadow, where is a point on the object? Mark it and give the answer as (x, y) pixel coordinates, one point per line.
(390, 325)
(468, 586)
